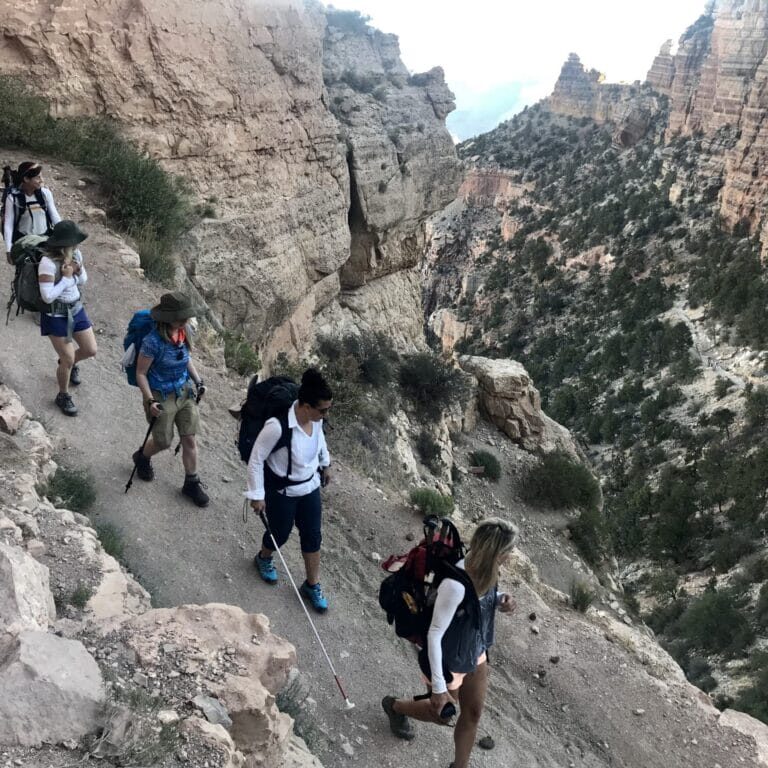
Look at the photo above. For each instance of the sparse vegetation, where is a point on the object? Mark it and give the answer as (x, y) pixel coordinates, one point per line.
(111, 540)
(240, 356)
(132, 182)
(489, 463)
(430, 502)
(581, 595)
(431, 384)
(559, 482)
(75, 488)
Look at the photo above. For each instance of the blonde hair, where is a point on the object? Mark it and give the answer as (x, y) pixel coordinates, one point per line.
(164, 330)
(492, 539)
(64, 254)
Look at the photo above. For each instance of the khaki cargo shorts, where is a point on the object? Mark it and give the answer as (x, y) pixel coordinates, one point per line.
(179, 411)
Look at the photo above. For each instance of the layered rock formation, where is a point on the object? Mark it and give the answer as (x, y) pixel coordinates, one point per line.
(231, 95)
(67, 674)
(582, 93)
(716, 83)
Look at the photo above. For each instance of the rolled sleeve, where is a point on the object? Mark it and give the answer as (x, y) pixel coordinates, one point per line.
(151, 346)
(262, 447)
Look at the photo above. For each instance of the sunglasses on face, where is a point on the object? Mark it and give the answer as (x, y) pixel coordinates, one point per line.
(323, 411)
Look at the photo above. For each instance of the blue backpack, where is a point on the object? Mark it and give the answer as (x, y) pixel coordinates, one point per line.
(141, 324)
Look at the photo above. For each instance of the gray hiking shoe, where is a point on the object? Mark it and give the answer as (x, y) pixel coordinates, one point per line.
(64, 401)
(399, 724)
(74, 376)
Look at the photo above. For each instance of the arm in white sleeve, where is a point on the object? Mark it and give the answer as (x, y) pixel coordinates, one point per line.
(323, 457)
(51, 291)
(8, 222)
(262, 447)
(82, 276)
(53, 214)
(450, 593)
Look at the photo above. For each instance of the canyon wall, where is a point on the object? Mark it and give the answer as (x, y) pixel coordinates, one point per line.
(231, 95)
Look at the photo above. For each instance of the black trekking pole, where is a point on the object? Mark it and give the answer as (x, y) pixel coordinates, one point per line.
(349, 704)
(146, 437)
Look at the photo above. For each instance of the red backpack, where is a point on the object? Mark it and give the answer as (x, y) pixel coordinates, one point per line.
(408, 594)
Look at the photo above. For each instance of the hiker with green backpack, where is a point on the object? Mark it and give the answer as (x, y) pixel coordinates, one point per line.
(63, 319)
(165, 374)
(454, 652)
(288, 462)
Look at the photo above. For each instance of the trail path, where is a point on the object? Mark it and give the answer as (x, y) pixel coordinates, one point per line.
(579, 715)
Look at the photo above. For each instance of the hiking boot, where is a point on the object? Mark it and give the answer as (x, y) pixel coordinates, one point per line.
(74, 376)
(399, 724)
(64, 401)
(143, 466)
(315, 596)
(193, 488)
(266, 568)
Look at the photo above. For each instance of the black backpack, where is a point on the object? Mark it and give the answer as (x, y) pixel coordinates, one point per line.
(408, 594)
(267, 399)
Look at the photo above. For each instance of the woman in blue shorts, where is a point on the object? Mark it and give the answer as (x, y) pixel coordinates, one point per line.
(61, 274)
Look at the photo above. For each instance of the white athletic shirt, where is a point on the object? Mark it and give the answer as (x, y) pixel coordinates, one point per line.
(308, 452)
(67, 288)
(450, 593)
(32, 221)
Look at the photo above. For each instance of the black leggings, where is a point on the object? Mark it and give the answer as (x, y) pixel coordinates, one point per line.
(285, 511)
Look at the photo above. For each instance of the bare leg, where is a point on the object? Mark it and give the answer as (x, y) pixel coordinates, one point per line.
(66, 352)
(86, 344)
(151, 448)
(420, 710)
(471, 701)
(189, 454)
(312, 566)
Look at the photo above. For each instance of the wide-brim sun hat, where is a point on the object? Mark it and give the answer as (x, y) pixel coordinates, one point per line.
(173, 307)
(65, 234)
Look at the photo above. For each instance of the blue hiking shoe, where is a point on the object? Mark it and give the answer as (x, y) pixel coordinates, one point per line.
(315, 596)
(266, 568)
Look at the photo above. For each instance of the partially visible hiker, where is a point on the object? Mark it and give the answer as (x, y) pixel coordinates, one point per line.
(28, 206)
(61, 275)
(286, 482)
(165, 374)
(455, 660)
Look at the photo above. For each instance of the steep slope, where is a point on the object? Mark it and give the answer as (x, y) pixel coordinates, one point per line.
(232, 97)
(539, 712)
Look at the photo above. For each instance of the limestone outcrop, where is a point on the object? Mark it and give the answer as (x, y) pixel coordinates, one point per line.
(67, 668)
(321, 155)
(507, 395)
(582, 93)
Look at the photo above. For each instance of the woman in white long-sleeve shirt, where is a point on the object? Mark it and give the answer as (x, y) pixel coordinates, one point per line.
(60, 275)
(29, 208)
(455, 660)
(288, 464)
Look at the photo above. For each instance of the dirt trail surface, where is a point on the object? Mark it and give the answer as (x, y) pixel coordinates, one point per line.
(596, 706)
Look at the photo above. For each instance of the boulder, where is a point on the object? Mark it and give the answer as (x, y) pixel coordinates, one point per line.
(507, 396)
(52, 690)
(26, 601)
(217, 737)
(12, 412)
(747, 725)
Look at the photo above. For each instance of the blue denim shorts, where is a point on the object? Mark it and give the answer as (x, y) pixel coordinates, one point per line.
(51, 325)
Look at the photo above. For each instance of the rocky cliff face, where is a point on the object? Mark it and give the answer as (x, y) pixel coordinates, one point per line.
(232, 96)
(582, 93)
(716, 83)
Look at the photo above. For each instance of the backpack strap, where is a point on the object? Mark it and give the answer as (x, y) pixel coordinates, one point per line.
(286, 435)
(40, 197)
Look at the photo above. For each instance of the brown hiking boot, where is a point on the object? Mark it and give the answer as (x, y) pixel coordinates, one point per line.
(399, 724)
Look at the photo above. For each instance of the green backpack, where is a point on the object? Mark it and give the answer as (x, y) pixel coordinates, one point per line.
(25, 289)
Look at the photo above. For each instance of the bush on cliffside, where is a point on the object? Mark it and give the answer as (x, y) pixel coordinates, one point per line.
(143, 200)
(431, 384)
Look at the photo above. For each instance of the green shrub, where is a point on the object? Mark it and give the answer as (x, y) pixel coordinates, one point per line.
(431, 384)
(348, 21)
(588, 533)
(581, 595)
(722, 385)
(239, 355)
(75, 488)
(429, 452)
(430, 502)
(560, 482)
(80, 597)
(714, 623)
(730, 549)
(489, 463)
(111, 540)
(132, 182)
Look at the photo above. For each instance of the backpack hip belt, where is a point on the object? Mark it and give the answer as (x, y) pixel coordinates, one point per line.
(68, 310)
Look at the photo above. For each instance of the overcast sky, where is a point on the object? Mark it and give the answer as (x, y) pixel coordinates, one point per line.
(499, 55)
